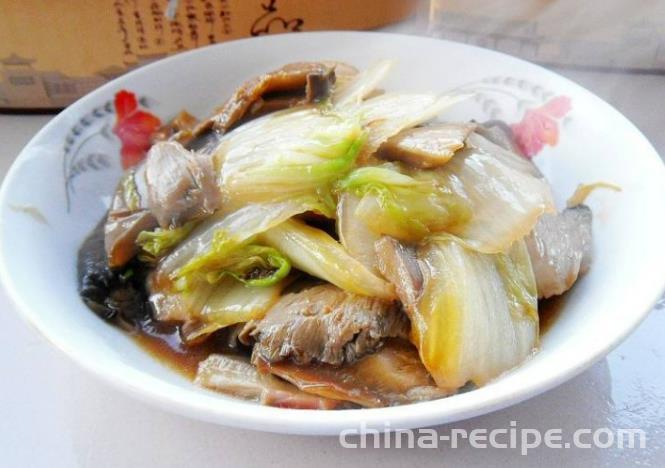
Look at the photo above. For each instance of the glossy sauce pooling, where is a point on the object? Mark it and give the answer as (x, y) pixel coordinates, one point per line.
(549, 310)
(162, 341)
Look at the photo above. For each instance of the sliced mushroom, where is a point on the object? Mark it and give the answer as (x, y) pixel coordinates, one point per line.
(560, 249)
(171, 187)
(394, 375)
(426, 147)
(293, 84)
(179, 127)
(181, 184)
(235, 376)
(499, 133)
(121, 233)
(127, 217)
(325, 324)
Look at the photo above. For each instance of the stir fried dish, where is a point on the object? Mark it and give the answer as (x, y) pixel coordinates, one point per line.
(321, 243)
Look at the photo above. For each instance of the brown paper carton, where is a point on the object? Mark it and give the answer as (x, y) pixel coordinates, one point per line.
(610, 36)
(51, 53)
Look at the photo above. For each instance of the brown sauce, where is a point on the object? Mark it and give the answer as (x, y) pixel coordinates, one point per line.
(549, 311)
(162, 341)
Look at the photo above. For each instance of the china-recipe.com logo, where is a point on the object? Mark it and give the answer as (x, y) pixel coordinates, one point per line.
(512, 437)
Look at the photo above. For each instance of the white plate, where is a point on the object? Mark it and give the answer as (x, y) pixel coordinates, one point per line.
(595, 142)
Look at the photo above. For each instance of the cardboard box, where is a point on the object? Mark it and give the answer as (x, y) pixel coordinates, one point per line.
(608, 36)
(51, 53)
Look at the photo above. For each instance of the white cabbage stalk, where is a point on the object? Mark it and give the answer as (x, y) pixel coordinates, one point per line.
(584, 190)
(354, 234)
(477, 316)
(362, 85)
(387, 114)
(315, 252)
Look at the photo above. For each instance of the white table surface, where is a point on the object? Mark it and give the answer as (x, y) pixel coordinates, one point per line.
(54, 414)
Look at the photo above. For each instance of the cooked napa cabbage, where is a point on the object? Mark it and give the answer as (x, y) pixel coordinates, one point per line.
(405, 207)
(305, 150)
(477, 315)
(206, 308)
(157, 243)
(506, 194)
(485, 195)
(584, 190)
(362, 85)
(353, 232)
(287, 154)
(386, 115)
(252, 264)
(223, 236)
(315, 252)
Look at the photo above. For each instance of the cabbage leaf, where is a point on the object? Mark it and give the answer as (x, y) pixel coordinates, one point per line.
(157, 243)
(222, 233)
(506, 194)
(252, 264)
(315, 252)
(206, 307)
(485, 195)
(477, 315)
(287, 154)
(404, 207)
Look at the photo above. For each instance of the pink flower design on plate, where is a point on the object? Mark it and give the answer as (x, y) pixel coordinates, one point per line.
(539, 126)
(135, 128)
